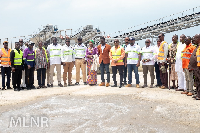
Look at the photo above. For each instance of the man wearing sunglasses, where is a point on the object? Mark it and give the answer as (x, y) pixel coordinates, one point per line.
(68, 61)
(148, 56)
(117, 54)
(162, 61)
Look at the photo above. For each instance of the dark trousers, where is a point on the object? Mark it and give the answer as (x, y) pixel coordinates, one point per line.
(41, 73)
(125, 73)
(114, 71)
(6, 70)
(157, 70)
(164, 76)
(132, 67)
(106, 66)
(29, 76)
(16, 77)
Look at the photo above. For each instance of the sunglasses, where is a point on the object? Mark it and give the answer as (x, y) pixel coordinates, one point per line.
(116, 41)
(67, 41)
(147, 42)
(20, 41)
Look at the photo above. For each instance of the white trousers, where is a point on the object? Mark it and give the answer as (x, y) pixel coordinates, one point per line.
(23, 84)
(181, 80)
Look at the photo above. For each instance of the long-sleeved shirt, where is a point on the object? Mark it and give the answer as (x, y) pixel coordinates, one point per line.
(165, 47)
(67, 54)
(80, 51)
(41, 58)
(1, 53)
(12, 55)
(120, 58)
(55, 53)
(148, 53)
(178, 64)
(29, 54)
(156, 50)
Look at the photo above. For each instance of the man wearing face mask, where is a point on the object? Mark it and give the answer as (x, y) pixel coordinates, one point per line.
(5, 64)
(80, 61)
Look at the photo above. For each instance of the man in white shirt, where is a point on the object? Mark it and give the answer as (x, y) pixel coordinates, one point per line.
(178, 65)
(80, 61)
(22, 48)
(132, 61)
(148, 56)
(68, 61)
(55, 58)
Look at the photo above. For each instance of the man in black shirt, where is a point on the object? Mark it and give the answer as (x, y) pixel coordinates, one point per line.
(16, 58)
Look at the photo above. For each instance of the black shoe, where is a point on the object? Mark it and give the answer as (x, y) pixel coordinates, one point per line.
(60, 85)
(120, 86)
(3, 88)
(9, 88)
(48, 85)
(33, 87)
(16, 89)
(51, 85)
(125, 83)
(77, 83)
(114, 85)
(85, 83)
(22, 88)
(28, 88)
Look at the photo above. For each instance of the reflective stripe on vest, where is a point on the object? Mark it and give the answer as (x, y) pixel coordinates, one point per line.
(68, 52)
(132, 58)
(161, 54)
(117, 54)
(54, 49)
(18, 57)
(132, 51)
(5, 59)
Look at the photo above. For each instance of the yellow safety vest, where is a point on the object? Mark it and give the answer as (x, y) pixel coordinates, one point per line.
(117, 54)
(18, 57)
(161, 52)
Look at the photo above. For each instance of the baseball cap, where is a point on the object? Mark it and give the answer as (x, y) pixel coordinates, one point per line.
(132, 38)
(31, 43)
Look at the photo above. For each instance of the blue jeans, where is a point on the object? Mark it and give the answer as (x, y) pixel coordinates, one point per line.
(106, 66)
(132, 67)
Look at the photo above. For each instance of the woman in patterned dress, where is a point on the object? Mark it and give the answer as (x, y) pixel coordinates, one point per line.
(91, 54)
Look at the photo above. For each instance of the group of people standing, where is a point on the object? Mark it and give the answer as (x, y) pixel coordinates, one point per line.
(182, 58)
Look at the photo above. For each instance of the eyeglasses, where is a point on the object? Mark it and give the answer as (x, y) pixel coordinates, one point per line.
(116, 41)
(147, 42)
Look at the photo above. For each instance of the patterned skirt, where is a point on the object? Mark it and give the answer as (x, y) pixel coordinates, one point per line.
(92, 74)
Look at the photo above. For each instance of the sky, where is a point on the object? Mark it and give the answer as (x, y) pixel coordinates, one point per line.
(23, 17)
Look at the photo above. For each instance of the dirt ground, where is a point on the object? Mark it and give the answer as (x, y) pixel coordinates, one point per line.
(86, 108)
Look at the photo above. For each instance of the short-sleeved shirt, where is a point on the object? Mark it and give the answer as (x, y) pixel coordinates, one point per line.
(133, 52)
